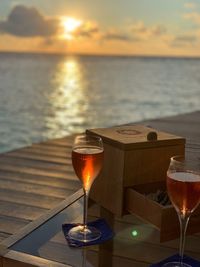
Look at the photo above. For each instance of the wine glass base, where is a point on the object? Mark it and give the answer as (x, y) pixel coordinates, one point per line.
(176, 264)
(84, 234)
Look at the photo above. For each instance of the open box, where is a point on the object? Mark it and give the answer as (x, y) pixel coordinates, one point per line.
(164, 218)
(131, 158)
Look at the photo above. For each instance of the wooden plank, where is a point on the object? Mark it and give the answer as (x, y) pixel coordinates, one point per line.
(151, 235)
(35, 188)
(74, 257)
(35, 164)
(186, 125)
(41, 180)
(61, 253)
(33, 156)
(10, 225)
(120, 262)
(3, 236)
(20, 211)
(38, 150)
(132, 250)
(50, 147)
(45, 217)
(34, 170)
(152, 253)
(104, 258)
(31, 199)
(63, 142)
(145, 233)
(59, 144)
(18, 259)
(187, 118)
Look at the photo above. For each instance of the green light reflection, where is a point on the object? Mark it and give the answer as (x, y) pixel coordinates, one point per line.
(134, 233)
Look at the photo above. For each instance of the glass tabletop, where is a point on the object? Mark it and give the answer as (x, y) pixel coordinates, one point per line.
(134, 244)
(48, 241)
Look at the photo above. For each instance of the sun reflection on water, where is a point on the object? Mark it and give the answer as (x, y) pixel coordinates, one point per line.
(68, 100)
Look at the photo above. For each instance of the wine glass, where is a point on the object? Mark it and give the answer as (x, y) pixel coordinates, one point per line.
(183, 186)
(87, 161)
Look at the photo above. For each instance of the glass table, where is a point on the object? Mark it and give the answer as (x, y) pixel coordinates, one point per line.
(42, 242)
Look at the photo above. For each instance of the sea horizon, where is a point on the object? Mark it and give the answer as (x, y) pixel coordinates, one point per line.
(103, 55)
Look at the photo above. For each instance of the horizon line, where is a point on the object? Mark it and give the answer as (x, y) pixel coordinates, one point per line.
(99, 54)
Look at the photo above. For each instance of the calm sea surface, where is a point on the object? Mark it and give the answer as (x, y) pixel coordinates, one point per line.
(48, 96)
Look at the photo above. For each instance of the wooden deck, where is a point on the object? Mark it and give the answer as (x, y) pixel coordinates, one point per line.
(35, 179)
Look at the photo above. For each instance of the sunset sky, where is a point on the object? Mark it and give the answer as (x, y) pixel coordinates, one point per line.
(135, 27)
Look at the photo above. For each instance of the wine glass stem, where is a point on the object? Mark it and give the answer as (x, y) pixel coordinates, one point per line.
(85, 210)
(183, 220)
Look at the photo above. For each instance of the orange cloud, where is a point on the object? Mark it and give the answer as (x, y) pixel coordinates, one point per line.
(194, 17)
(158, 30)
(185, 40)
(116, 35)
(87, 29)
(190, 5)
(139, 27)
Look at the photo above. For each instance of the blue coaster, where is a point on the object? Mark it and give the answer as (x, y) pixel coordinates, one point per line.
(188, 260)
(100, 224)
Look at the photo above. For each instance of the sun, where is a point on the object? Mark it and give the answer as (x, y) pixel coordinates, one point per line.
(69, 25)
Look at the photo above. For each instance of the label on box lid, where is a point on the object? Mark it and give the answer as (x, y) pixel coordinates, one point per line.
(128, 137)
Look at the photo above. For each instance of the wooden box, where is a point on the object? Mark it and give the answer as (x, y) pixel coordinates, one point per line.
(131, 159)
(163, 217)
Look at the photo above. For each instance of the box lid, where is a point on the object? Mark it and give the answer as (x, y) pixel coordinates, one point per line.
(128, 137)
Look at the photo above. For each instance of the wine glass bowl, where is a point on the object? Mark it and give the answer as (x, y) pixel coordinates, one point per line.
(87, 161)
(183, 186)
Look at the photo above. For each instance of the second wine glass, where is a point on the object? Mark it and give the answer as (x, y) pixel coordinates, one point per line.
(183, 186)
(87, 161)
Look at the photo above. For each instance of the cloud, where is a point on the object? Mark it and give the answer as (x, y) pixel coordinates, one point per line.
(88, 29)
(114, 35)
(134, 33)
(184, 40)
(92, 30)
(194, 17)
(140, 30)
(158, 30)
(28, 22)
(190, 5)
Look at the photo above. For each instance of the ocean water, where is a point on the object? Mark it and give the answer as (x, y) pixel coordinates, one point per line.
(50, 96)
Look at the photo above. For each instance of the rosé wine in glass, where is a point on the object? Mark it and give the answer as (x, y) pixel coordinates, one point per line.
(183, 186)
(87, 161)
